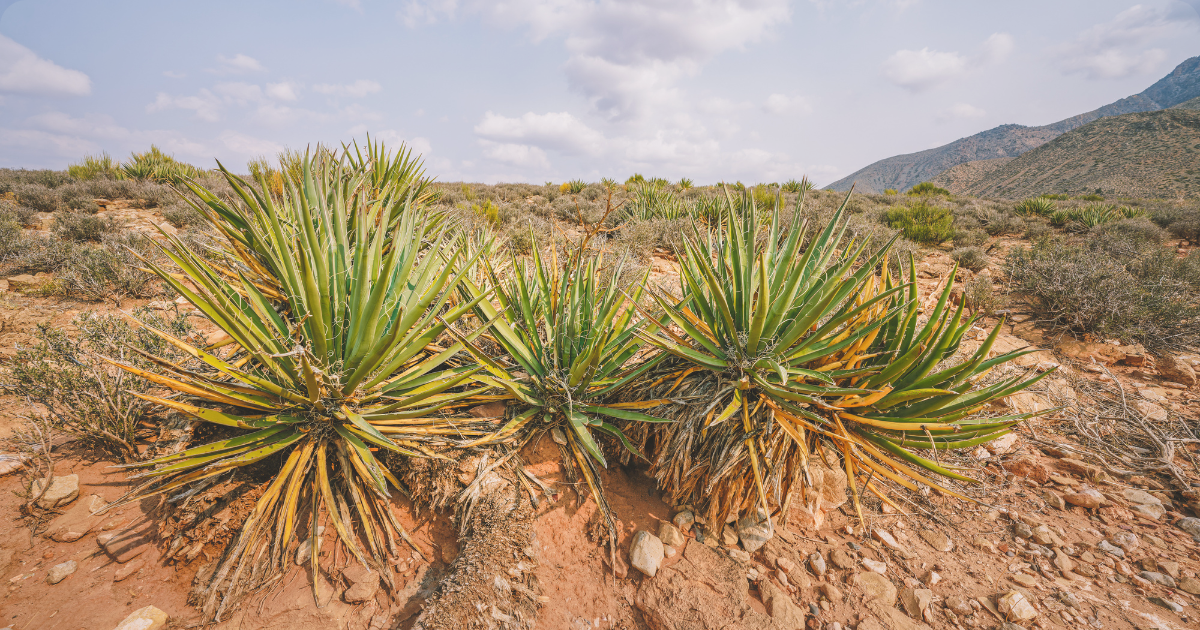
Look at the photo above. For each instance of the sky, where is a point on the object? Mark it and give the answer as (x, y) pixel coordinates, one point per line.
(551, 90)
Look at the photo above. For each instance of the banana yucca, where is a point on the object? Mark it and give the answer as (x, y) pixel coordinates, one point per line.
(787, 345)
(332, 297)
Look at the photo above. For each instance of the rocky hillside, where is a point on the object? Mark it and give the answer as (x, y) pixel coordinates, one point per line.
(1192, 104)
(904, 171)
(967, 175)
(1148, 154)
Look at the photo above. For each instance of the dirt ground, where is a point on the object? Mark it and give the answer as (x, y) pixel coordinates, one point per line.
(945, 563)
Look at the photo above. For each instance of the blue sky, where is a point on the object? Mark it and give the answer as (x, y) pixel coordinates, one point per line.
(538, 90)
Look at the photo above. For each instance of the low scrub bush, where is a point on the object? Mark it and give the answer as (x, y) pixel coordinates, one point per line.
(1142, 300)
(11, 178)
(154, 165)
(1181, 223)
(182, 215)
(37, 197)
(971, 258)
(980, 295)
(81, 394)
(640, 238)
(922, 223)
(1088, 217)
(22, 216)
(1126, 239)
(95, 167)
(1039, 206)
(928, 188)
(970, 238)
(80, 228)
(109, 272)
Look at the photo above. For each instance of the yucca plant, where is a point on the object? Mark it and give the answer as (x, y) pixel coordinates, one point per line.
(569, 338)
(1040, 206)
(653, 202)
(796, 186)
(157, 166)
(786, 346)
(684, 183)
(331, 365)
(1091, 215)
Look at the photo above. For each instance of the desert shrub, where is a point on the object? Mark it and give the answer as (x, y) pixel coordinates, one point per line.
(980, 296)
(1126, 239)
(797, 186)
(1055, 197)
(928, 188)
(636, 178)
(78, 227)
(971, 258)
(95, 167)
(154, 165)
(1141, 300)
(1039, 206)
(890, 191)
(487, 211)
(1037, 230)
(22, 216)
(922, 223)
(81, 394)
(1181, 223)
(640, 238)
(22, 252)
(38, 197)
(109, 272)
(11, 178)
(1089, 216)
(992, 218)
(764, 197)
(1092, 197)
(970, 238)
(182, 215)
(78, 197)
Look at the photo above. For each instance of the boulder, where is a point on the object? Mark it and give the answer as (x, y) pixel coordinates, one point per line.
(875, 587)
(62, 491)
(148, 618)
(1086, 498)
(646, 552)
(1176, 369)
(1015, 606)
(754, 530)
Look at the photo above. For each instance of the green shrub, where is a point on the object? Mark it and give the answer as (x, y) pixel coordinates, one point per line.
(928, 188)
(1039, 206)
(1089, 198)
(82, 395)
(76, 227)
(970, 238)
(764, 197)
(684, 184)
(980, 296)
(921, 222)
(891, 191)
(971, 258)
(182, 215)
(1037, 230)
(77, 197)
(576, 186)
(1054, 197)
(636, 178)
(1145, 300)
(38, 197)
(22, 216)
(797, 186)
(1088, 217)
(109, 272)
(95, 167)
(488, 211)
(11, 178)
(1181, 223)
(1126, 239)
(154, 165)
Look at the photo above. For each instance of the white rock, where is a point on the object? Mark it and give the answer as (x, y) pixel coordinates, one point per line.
(1016, 607)
(59, 572)
(63, 490)
(754, 530)
(875, 565)
(646, 552)
(148, 618)
(684, 520)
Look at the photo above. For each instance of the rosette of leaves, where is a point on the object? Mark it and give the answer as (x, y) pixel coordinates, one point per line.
(569, 340)
(791, 347)
(324, 371)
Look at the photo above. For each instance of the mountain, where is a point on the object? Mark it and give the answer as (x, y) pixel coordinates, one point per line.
(1192, 104)
(1144, 155)
(960, 178)
(1007, 141)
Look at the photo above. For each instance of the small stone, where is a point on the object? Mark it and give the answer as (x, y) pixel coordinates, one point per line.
(670, 535)
(684, 520)
(1014, 606)
(786, 564)
(669, 552)
(1166, 603)
(889, 541)
(62, 491)
(1170, 568)
(1087, 498)
(148, 618)
(1110, 549)
(754, 531)
(937, 540)
(739, 555)
(1190, 525)
(1054, 499)
(874, 565)
(1189, 585)
(932, 578)
(1042, 535)
(877, 588)
(1024, 579)
(646, 552)
(124, 546)
(782, 578)
(841, 559)
(304, 551)
(128, 569)
(1022, 530)
(728, 536)
(959, 605)
(59, 572)
(1157, 578)
(817, 563)
(831, 592)
(1125, 540)
(915, 601)
(1063, 561)
(360, 592)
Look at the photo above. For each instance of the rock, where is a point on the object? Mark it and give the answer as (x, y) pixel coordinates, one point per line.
(124, 546)
(1170, 568)
(1124, 569)
(670, 535)
(830, 592)
(1125, 540)
(1024, 579)
(703, 589)
(304, 551)
(59, 572)
(76, 522)
(646, 552)
(128, 569)
(1054, 499)
(1087, 498)
(1176, 369)
(786, 564)
(1063, 561)
(62, 491)
(875, 565)
(1022, 530)
(1153, 512)
(937, 540)
(889, 541)
(754, 531)
(779, 605)
(1158, 578)
(148, 618)
(739, 555)
(959, 605)
(1078, 467)
(841, 559)
(11, 462)
(1014, 606)
(1085, 352)
(1003, 444)
(875, 587)
(817, 564)
(1042, 535)
(931, 578)
(490, 410)
(1151, 411)
(558, 436)
(1191, 525)
(360, 592)
(1110, 549)
(915, 601)
(25, 282)
(1165, 603)
(684, 520)
(1029, 468)
(1189, 585)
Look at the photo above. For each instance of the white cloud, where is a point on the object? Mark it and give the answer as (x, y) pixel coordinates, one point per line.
(174, 74)
(1124, 46)
(920, 70)
(520, 155)
(960, 111)
(358, 89)
(238, 64)
(248, 146)
(23, 72)
(393, 139)
(353, 4)
(284, 91)
(559, 131)
(60, 136)
(205, 104)
(785, 104)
